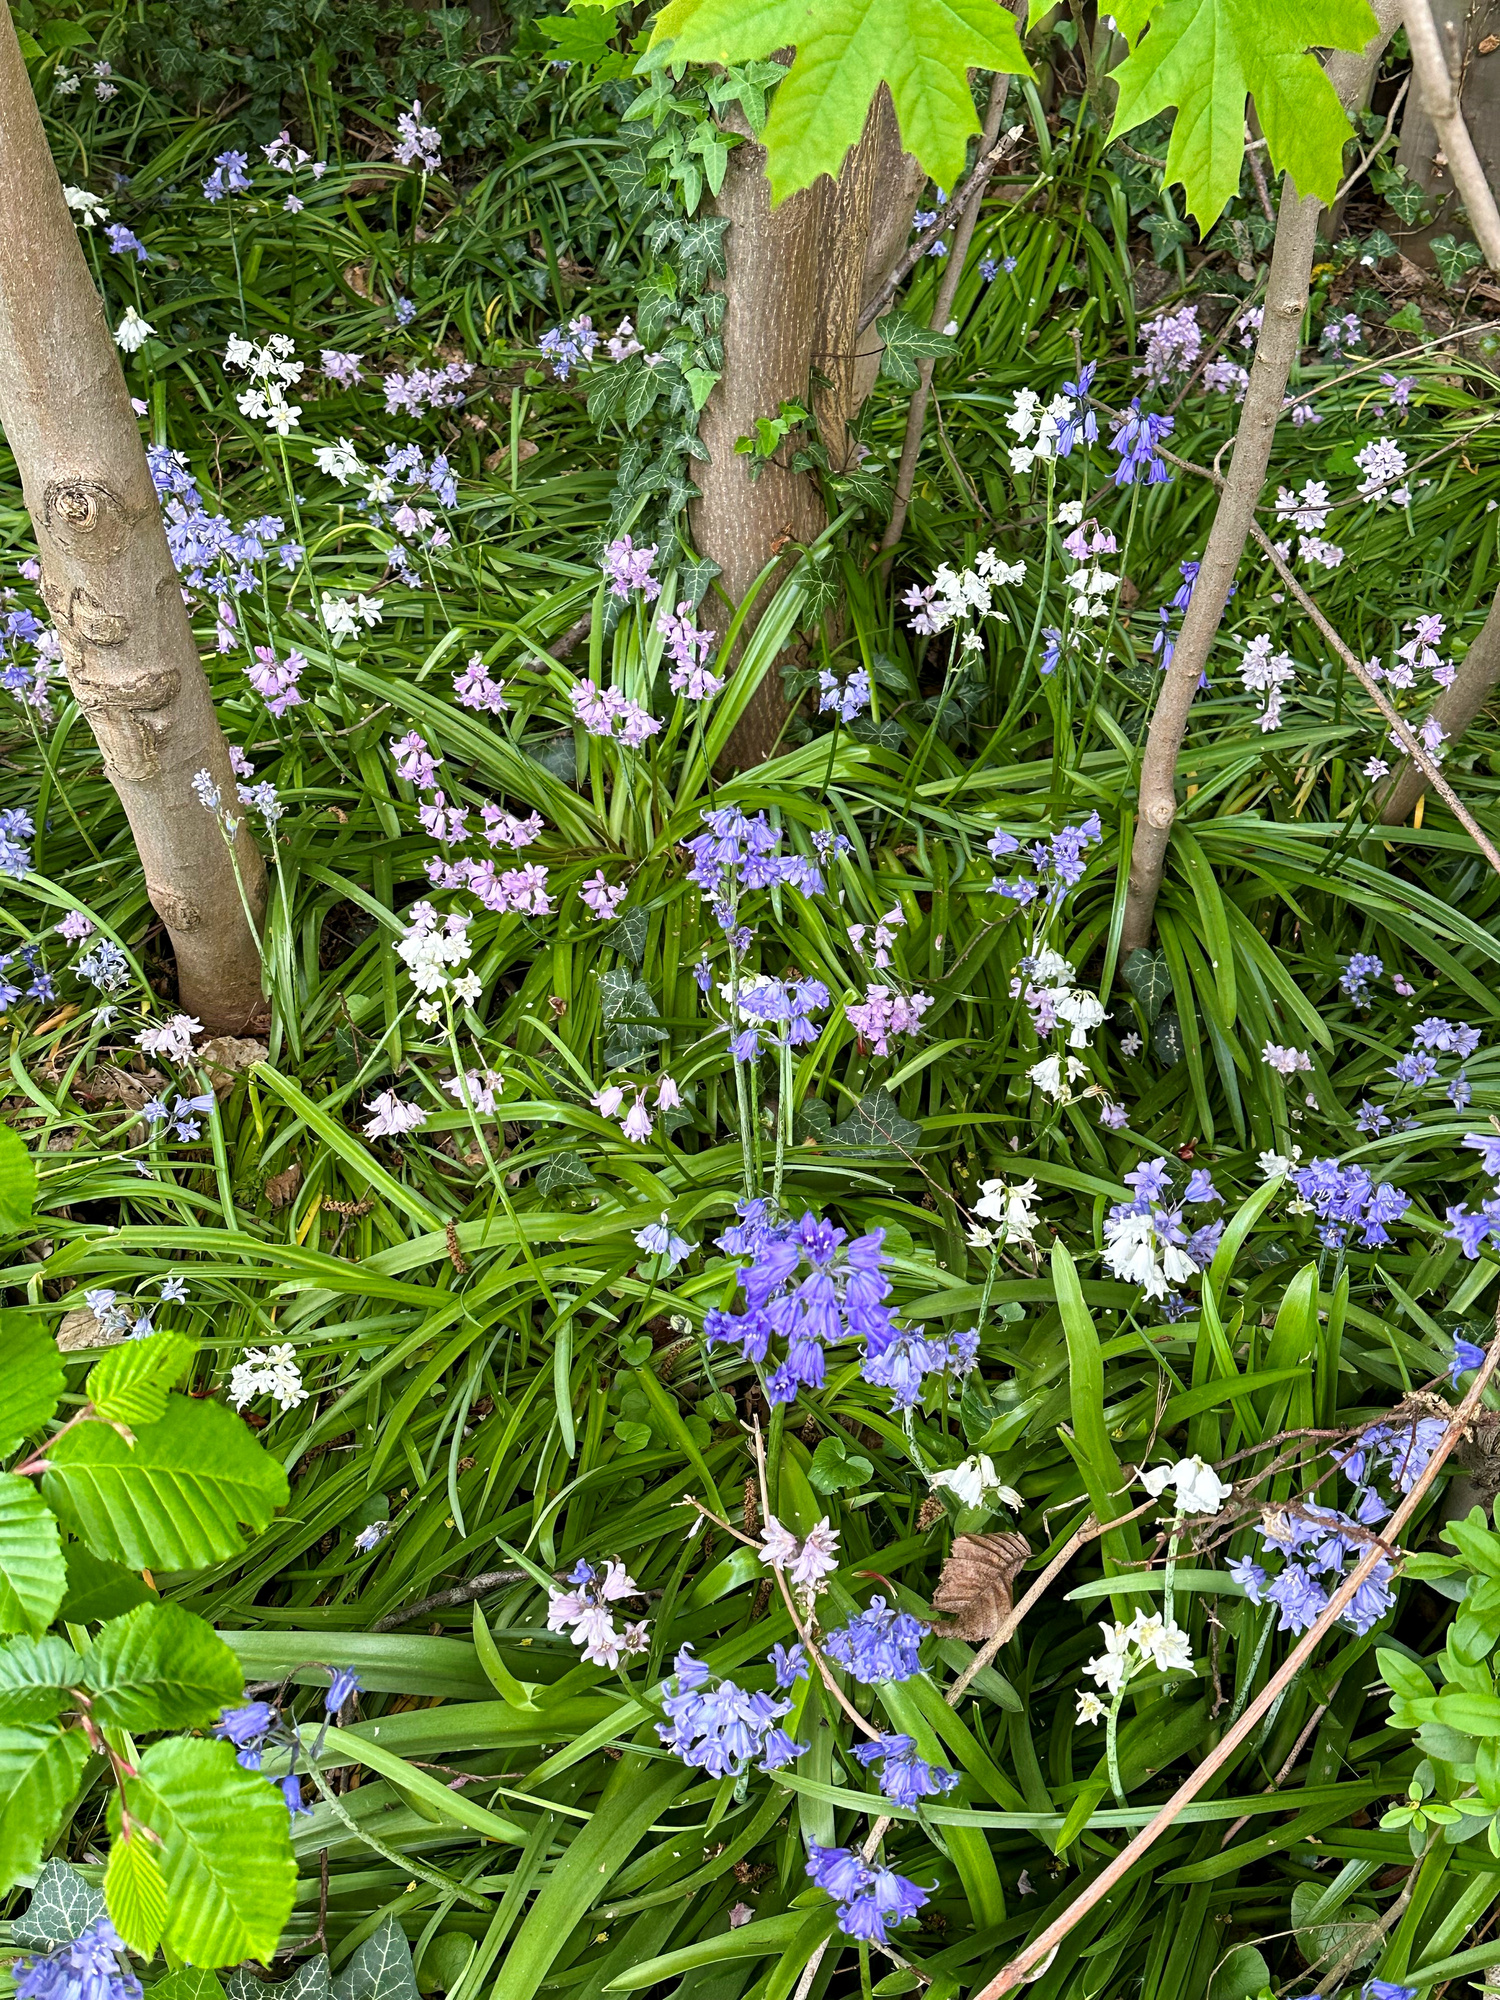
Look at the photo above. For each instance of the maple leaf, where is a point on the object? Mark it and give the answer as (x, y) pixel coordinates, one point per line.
(1205, 57)
(846, 49)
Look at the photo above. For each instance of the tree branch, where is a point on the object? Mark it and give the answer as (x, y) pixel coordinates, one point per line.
(443, 1600)
(1453, 711)
(1440, 101)
(1026, 1961)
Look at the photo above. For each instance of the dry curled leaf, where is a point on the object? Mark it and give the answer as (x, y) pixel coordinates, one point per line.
(281, 1189)
(973, 1593)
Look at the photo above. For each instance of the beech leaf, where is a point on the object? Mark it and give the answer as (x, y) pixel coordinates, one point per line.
(973, 1593)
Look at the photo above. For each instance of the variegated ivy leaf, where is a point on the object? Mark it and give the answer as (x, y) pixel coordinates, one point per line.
(923, 49)
(1205, 58)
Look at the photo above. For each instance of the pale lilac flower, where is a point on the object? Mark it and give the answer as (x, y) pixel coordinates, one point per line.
(883, 1013)
(417, 144)
(391, 1119)
(628, 568)
(414, 761)
(600, 897)
(1285, 1061)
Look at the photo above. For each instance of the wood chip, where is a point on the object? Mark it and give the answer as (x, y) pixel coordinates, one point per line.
(973, 1592)
(224, 1056)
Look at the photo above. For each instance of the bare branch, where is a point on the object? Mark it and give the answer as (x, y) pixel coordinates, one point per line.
(1440, 101)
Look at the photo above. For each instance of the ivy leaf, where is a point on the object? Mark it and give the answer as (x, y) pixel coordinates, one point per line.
(35, 1678)
(1166, 1037)
(834, 1467)
(63, 1905)
(1454, 260)
(32, 1577)
(159, 1667)
(1205, 57)
(562, 1170)
(225, 1849)
(1145, 973)
(31, 1378)
(136, 1893)
(173, 1500)
(907, 342)
(875, 1125)
(846, 49)
(309, 1981)
(17, 1182)
(131, 1383)
(39, 1771)
(380, 1970)
(192, 1982)
(98, 1589)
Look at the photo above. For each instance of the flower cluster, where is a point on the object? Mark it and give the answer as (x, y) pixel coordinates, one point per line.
(1345, 1198)
(956, 596)
(904, 1776)
(1354, 980)
(92, 1967)
(424, 389)
(431, 950)
(1136, 442)
(584, 1613)
(417, 145)
(870, 1900)
(1147, 1241)
(1472, 1229)
(1058, 862)
(722, 1729)
(1197, 1488)
(781, 1010)
(636, 1121)
(1266, 674)
(883, 1013)
(267, 1371)
(1319, 1542)
(740, 851)
(879, 1645)
(258, 1726)
(607, 712)
(392, 1118)
(1173, 344)
(1148, 1641)
(628, 568)
(808, 1564)
(689, 648)
(271, 366)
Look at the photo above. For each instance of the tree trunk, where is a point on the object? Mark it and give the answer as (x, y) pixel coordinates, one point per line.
(1454, 709)
(1461, 28)
(798, 276)
(107, 577)
(1275, 351)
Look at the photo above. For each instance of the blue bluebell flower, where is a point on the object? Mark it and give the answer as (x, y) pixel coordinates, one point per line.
(904, 1776)
(878, 1645)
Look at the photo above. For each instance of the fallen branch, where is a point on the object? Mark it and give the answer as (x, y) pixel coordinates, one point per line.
(1440, 101)
(1027, 1961)
(444, 1600)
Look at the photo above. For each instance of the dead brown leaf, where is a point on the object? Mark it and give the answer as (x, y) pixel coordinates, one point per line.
(281, 1189)
(973, 1592)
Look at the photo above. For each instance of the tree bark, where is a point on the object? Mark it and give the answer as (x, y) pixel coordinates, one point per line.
(1454, 709)
(1465, 172)
(798, 277)
(1275, 351)
(107, 576)
(1460, 29)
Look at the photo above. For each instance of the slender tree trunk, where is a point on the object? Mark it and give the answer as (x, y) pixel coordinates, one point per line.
(1465, 171)
(1275, 351)
(1454, 709)
(958, 252)
(798, 277)
(107, 577)
(1473, 82)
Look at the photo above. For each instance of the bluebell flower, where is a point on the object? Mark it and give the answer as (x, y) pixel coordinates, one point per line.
(1250, 1576)
(723, 1729)
(870, 1899)
(174, 1290)
(878, 1645)
(290, 1788)
(1342, 1196)
(1136, 441)
(343, 1687)
(124, 243)
(1297, 1596)
(1201, 1187)
(1471, 1231)
(1414, 1068)
(92, 1967)
(1059, 863)
(1355, 978)
(1387, 1989)
(16, 828)
(228, 177)
(789, 1664)
(1466, 1357)
(658, 1239)
(905, 1777)
(1371, 1119)
(1488, 1145)
(1460, 1092)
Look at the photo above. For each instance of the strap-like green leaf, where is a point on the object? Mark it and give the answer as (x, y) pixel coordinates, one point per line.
(32, 1577)
(131, 1383)
(17, 1182)
(176, 1498)
(38, 1775)
(31, 1378)
(160, 1668)
(225, 1852)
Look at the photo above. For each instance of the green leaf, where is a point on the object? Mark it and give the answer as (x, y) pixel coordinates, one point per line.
(582, 40)
(39, 1770)
(31, 1378)
(225, 1853)
(562, 1170)
(63, 1905)
(380, 1970)
(17, 1182)
(1145, 973)
(191, 1982)
(136, 1893)
(1240, 1975)
(846, 49)
(309, 1981)
(908, 341)
(98, 1589)
(130, 1384)
(1204, 57)
(159, 1667)
(1454, 259)
(875, 1125)
(32, 1577)
(176, 1498)
(1166, 1037)
(834, 1467)
(1474, 1714)
(35, 1678)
